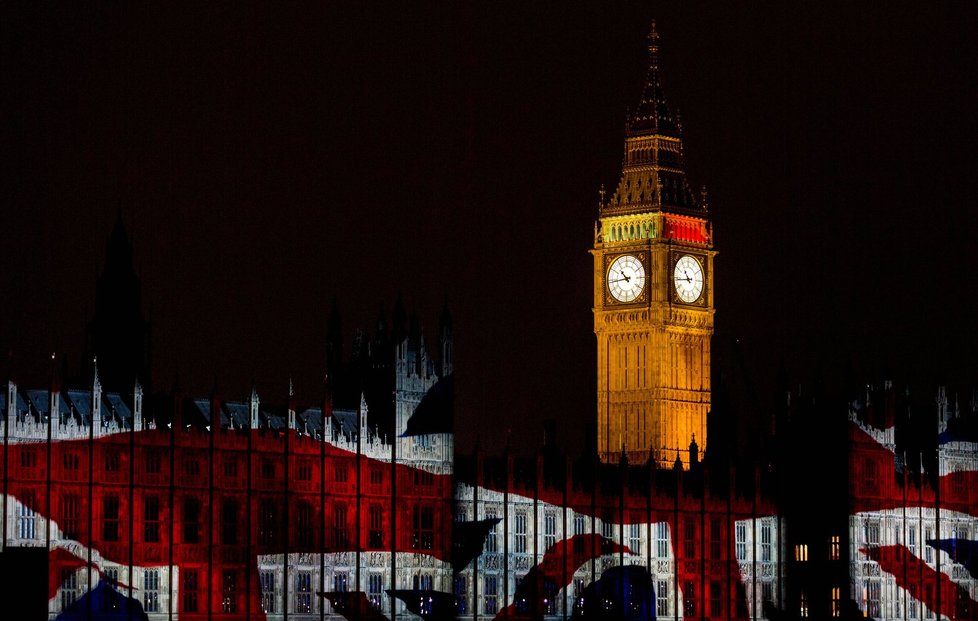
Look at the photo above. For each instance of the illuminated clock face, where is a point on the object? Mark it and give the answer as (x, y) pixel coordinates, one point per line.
(626, 278)
(688, 277)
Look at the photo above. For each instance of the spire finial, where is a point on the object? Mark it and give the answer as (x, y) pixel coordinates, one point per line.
(654, 46)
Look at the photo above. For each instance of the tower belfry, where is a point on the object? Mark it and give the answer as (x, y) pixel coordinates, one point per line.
(653, 293)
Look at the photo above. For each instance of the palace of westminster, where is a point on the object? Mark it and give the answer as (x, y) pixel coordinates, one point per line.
(160, 505)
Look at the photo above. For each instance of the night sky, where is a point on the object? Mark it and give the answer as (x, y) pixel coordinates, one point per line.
(270, 158)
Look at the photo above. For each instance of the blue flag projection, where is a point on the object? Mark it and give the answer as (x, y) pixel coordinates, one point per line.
(435, 411)
(621, 594)
(104, 603)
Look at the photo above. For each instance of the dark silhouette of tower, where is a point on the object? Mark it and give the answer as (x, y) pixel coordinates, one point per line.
(118, 336)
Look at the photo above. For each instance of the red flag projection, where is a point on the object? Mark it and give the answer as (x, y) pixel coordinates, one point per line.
(255, 523)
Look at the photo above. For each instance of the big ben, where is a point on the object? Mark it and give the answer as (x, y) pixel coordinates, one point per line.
(653, 294)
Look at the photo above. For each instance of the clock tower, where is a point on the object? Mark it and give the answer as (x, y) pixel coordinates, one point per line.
(653, 294)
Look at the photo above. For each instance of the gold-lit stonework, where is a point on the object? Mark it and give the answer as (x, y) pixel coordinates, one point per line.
(653, 341)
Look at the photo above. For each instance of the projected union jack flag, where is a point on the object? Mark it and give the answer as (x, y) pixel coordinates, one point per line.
(299, 520)
(182, 521)
(913, 542)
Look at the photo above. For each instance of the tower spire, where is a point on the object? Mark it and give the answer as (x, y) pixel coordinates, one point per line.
(653, 116)
(653, 39)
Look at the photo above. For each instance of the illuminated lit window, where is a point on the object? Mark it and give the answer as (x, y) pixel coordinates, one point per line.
(26, 520)
(151, 518)
(579, 525)
(608, 526)
(69, 587)
(801, 552)
(519, 532)
(151, 590)
(871, 532)
(802, 605)
(741, 541)
(460, 589)
(549, 597)
(836, 601)
(765, 541)
(490, 594)
(549, 530)
(521, 604)
(375, 590)
(492, 545)
(872, 590)
(661, 598)
(661, 540)
(266, 581)
(635, 538)
(112, 574)
(303, 592)
(834, 548)
(579, 586)
(928, 550)
(191, 589)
